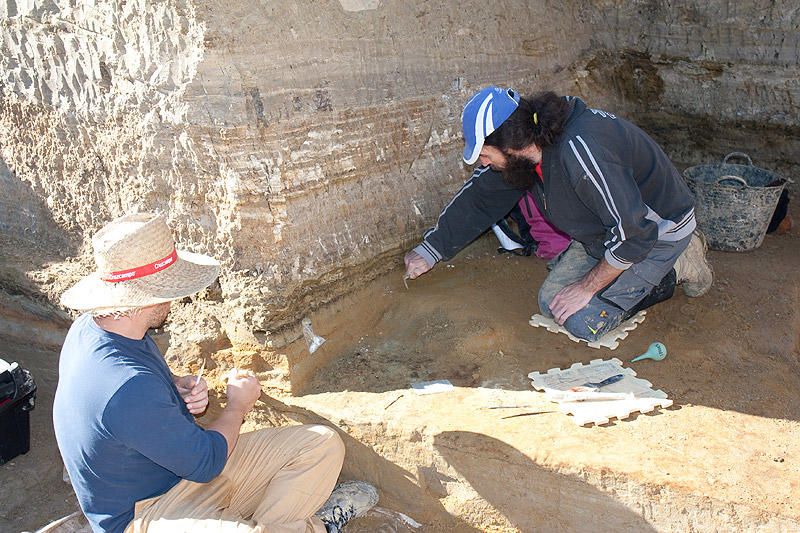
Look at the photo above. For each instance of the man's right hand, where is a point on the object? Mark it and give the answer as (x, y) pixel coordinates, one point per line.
(415, 265)
(243, 390)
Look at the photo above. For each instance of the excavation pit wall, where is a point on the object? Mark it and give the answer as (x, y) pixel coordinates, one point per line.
(307, 155)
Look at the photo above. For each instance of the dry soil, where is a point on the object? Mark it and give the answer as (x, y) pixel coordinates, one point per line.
(724, 457)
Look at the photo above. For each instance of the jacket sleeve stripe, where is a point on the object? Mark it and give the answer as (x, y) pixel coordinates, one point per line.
(431, 250)
(605, 186)
(618, 258)
(614, 260)
(686, 220)
(613, 212)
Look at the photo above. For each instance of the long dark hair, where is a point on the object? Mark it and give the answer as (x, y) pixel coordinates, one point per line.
(523, 128)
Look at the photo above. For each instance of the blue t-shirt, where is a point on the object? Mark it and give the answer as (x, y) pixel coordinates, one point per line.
(122, 427)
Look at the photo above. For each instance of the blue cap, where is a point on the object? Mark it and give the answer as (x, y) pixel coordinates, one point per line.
(482, 115)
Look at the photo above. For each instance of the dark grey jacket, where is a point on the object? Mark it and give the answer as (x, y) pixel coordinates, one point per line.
(607, 184)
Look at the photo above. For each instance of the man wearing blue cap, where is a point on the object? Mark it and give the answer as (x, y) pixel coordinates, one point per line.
(596, 177)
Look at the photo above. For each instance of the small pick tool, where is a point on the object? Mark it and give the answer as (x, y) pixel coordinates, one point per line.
(656, 352)
(200, 374)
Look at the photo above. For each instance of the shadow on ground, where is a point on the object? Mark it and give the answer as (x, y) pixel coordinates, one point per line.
(528, 496)
(399, 490)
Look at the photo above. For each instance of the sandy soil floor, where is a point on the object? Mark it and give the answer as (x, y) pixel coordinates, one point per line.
(732, 438)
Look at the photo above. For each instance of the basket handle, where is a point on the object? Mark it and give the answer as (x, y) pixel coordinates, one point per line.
(738, 154)
(738, 179)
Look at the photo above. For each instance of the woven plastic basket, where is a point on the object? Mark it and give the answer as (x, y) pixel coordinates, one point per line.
(734, 203)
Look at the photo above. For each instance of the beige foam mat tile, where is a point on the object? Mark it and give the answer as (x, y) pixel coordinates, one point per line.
(610, 340)
(644, 399)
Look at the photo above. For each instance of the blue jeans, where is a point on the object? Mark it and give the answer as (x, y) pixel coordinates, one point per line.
(642, 285)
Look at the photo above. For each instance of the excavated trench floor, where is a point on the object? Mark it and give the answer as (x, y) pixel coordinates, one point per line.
(724, 457)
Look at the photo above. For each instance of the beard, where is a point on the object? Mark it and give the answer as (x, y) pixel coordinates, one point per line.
(519, 172)
(157, 315)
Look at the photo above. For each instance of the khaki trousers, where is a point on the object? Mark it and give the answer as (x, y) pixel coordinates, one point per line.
(274, 482)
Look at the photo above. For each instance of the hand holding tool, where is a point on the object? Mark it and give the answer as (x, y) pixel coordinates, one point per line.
(200, 374)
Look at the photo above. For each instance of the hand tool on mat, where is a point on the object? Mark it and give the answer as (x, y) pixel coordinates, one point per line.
(595, 386)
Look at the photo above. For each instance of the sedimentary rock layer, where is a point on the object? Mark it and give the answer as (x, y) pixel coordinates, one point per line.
(305, 144)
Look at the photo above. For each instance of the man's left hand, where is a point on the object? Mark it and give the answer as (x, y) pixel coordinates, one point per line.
(193, 392)
(569, 301)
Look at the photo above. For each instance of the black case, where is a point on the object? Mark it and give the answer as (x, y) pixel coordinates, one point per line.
(17, 399)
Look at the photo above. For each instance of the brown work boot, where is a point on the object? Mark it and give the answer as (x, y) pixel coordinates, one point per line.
(692, 268)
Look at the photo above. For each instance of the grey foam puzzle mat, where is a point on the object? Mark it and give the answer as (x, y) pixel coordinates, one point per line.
(610, 340)
(642, 398)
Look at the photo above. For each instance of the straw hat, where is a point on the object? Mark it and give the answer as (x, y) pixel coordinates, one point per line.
(137, 266)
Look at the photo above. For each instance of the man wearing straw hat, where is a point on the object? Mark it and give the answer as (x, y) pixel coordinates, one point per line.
(125, 426)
